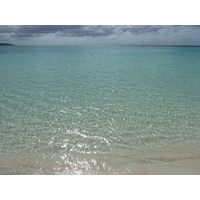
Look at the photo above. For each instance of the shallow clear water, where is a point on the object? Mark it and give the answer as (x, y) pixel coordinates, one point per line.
(63, 100)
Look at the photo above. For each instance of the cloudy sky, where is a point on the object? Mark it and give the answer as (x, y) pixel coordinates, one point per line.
(100, 35)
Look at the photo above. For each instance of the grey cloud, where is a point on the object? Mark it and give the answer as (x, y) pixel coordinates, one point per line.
(38, 30)
(46, 29)
(76, 30)
(92, 31)
(62, 30)
(141, 29)
(6, 29)
(124, 33)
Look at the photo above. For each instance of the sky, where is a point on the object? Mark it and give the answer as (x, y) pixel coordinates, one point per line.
(100, 34)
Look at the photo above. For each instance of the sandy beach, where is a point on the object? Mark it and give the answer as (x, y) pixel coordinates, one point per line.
(174, 160)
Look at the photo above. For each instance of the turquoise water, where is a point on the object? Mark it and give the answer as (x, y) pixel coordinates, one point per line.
(80, 100)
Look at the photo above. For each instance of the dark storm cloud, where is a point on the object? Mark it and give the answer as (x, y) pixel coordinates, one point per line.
(76, 30)
(28, 31)
(46, 29)
(6, 29)
(61, 30)
(153, 33)
(84, 30)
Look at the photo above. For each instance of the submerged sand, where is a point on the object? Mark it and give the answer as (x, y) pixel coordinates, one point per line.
(173, 160)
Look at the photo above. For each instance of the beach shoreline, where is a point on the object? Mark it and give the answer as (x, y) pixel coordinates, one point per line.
(171, 160)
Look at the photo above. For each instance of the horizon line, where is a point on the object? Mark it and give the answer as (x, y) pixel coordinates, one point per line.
(170, 45)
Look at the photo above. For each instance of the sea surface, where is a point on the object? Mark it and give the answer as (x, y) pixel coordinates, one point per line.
(77, 109)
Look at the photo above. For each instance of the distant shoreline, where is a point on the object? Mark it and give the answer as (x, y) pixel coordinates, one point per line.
(6, 44)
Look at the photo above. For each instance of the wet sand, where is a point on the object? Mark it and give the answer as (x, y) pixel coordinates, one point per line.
(173, 160)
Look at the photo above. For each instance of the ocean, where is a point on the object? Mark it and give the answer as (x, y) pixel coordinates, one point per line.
(99, 109)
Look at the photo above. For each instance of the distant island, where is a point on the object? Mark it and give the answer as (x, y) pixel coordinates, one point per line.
(6, 44)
